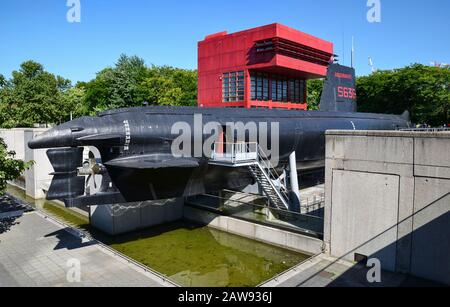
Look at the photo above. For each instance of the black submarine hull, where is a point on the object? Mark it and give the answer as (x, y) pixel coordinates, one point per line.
(140, 147)
(136, 144)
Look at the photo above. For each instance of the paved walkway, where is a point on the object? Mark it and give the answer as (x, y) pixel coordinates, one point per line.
(324, 271)
(34, 251)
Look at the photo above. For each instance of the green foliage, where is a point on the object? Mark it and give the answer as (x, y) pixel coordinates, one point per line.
(36, 96)
(130, 83)
(32, 96)
(422, 90)
(178, 80)
(161, 91)
(10, 168)
(314, 88)
(117, 87)
(5, 96)
(3, 81)
(73, 101)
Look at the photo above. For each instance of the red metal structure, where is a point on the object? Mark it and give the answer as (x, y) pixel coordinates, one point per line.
(262, 67)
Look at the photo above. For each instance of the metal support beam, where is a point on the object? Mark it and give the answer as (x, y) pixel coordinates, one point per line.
(293, 176)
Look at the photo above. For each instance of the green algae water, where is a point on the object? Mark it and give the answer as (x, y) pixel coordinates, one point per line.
(194, 255)
(188, 253)
(54, 209)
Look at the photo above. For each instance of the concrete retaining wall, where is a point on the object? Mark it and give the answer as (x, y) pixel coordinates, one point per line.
(120, 219)
(37, 178)
(281, 238)
(123, 218)
(14, 138)
(387, 196)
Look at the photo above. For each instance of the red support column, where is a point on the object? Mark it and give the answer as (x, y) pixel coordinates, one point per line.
(247, 91)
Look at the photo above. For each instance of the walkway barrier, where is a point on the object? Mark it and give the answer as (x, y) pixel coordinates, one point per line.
(442, 129)
(253, 208)
(252, 156)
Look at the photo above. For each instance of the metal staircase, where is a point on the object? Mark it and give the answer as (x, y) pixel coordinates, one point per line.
(251, 155)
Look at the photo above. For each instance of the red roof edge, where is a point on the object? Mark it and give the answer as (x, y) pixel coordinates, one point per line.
(223, 33)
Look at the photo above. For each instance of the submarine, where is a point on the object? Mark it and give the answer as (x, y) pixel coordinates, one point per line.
(157, 152)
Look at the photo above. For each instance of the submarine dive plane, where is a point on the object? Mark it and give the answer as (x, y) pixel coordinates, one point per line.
(136, 145)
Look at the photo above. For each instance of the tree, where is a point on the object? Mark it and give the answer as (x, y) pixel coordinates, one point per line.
(183, 79)
(422, 90)
(10, 168)
(117, 87)
(3, 81)
(130, 83)
(5, 94)
(32, 96)
(314, 89)
(161, 91)
(72, 102)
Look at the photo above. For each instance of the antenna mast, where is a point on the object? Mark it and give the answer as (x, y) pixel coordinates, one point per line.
(371, 65)
(353, 52)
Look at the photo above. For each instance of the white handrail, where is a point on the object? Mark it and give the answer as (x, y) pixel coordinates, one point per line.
(272, 171)
(233, 152)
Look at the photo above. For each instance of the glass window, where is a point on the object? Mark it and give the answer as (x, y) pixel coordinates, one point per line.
(259, 86)
(265, 87)
(233, 85)
(297, 91)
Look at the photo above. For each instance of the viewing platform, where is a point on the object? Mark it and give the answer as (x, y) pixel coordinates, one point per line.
(251, 155)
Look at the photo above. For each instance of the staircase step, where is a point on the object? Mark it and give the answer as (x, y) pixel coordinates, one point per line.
(274, 196)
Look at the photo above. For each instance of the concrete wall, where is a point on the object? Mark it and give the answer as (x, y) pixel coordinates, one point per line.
(387, 196)
(123, 218)
(37, 178)
(266, 234)
(14, 138)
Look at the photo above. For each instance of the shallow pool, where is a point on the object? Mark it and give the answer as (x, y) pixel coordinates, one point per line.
(196, 255)
(189, 253)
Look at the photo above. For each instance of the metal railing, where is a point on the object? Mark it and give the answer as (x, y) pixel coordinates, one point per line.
(312, 205)
(271, 171)
(246, 153)
(442, 129)
(242, 152)
(259, 213)
(234, 152)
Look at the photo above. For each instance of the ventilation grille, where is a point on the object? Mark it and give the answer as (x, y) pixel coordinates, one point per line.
(294, 50)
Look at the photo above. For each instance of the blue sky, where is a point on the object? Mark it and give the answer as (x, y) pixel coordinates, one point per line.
(166, 32)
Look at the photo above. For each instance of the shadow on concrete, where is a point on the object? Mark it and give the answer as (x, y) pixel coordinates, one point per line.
(356, 276)
(9, 203)
(7, 223)
(320, 213)
(426, 256)
(67, 240)
(311, 179)
(10, 210)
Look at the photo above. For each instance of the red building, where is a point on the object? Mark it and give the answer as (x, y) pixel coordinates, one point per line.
(260, 67)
